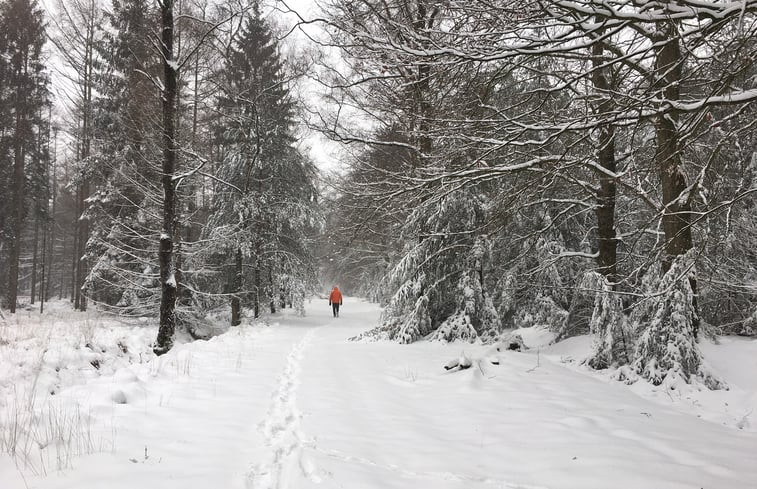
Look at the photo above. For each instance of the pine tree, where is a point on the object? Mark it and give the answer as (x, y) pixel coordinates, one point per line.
(263, 216)
(613, 337)
(667, 349)
(124, 208)
(440, 281)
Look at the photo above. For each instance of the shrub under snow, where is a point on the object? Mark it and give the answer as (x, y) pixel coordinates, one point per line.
(475, 317)
(667, 349)
(613, 341)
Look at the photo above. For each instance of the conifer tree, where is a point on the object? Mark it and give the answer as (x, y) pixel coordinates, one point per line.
(261, 217)
(124, 208)
(22, 97)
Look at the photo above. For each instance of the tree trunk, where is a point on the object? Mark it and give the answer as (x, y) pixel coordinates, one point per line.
(272, 291)
(423, 21)
(167, 325)
(74, 250)
(35, 252)
(19, 185)
(256, 292)
(676, 217)
(51, 218)
(62, 269)
(178, 262)
(82, 268)
(42, 282)
(607, 242)
(80, 301)
(236, 301)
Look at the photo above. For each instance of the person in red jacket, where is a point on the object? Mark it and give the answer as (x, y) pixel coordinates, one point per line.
(335, 300)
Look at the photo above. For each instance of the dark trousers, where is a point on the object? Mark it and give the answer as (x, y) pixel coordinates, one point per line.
(335, 307)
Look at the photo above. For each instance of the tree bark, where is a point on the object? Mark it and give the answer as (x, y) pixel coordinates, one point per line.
(236, 309)
(75, 237)
(42, 282)
(19, 186)
(272, 291)
(82, 269)
(607, 242)
(167, 325)
(35, 252)
(676, 217)
(80, 299)
(53, 192)
(256, 292)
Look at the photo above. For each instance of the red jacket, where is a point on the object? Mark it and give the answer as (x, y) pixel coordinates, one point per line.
(335, 297)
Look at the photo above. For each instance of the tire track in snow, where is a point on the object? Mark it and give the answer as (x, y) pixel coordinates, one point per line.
(281, 429)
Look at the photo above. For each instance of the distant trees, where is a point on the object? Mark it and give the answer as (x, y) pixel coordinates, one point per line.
(79, 30)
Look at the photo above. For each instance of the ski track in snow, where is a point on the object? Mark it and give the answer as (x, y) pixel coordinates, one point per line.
(281, 430)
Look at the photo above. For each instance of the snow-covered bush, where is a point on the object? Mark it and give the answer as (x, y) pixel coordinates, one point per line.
(749, 326)
(439, 281)
(536, 284)
(406, 317)
(613, 339)
(505, 299)
(667, 349)
(541, 310)
(456, 327)
(511, 342)
(475, 315)
(412, 326)
(578, 319)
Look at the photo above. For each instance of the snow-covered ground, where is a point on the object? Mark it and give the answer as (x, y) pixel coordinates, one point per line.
(293, 404)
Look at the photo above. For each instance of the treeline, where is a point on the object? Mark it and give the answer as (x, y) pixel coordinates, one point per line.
(581, 164)
(178, 185)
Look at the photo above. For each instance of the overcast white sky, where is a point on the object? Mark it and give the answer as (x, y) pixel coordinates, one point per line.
(324, 152)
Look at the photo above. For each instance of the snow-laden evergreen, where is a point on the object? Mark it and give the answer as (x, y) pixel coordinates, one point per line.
(264, 211)
(667, 350)
(124, 208)
(475, 316)
(613, 342)
(440, 281)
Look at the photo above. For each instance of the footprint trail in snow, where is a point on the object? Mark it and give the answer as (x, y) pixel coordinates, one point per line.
(281, 430)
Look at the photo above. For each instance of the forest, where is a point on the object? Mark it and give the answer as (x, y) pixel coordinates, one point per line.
(588, 165)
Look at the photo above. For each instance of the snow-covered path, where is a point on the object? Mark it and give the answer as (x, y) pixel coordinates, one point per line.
(281, 428)
(295, 405)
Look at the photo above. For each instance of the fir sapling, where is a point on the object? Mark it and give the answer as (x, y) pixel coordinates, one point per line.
(667, 349)
(612, 345)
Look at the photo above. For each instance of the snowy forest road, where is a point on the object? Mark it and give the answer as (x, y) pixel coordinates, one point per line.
(292, 404)
(382, 415)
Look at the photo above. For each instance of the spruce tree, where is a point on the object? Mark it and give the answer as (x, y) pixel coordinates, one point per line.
(124, 207)
(262, 217)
